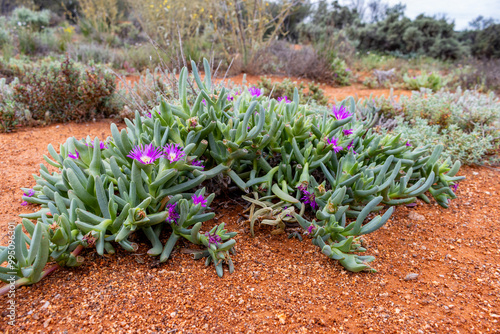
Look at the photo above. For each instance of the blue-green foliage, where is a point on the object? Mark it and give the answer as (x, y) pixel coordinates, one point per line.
(282, 153)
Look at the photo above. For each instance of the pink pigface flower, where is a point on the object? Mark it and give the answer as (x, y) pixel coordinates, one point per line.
(172, 215)
(350, 146)
(174, 152)
(74, 156)
(146, 154)
(310, 198)
(30, 193)
(340, 113)
(334, 141)
(310, 229)
(254, 91)
(302, 187)
(284, 98)
(199, 199)
(198, 163)
(102, 145)
(214, 239)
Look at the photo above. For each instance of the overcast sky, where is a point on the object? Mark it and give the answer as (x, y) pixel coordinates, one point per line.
(461, 11)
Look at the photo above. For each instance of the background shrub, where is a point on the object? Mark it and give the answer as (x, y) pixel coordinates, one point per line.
(283, 58)
(341, 73)
(8, 118)
(482, 75)
(465, 122)
(34, 20)
(473, 147)
(286, 88)
(61, 92)
(432, 81)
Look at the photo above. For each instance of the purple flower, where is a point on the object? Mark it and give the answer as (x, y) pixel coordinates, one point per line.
(408, 143)
(350, 146)
(30, 193)
(348, 70)
(213, 238)
(173, 152)
(334, 141)
(454, 187)
(74, 156)
(302, 187)
(148, 114)
(172, 215)
(230, 98)
(310, 229)
(340, 113)
(198, 163)
(102, 145)
(254, 91)
(146, 154)
(285, 98)
(199, 199)
(347, 132)
(310, 199)
(204, 102)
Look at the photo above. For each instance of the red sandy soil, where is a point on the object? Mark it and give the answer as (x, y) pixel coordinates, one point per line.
(280, 285)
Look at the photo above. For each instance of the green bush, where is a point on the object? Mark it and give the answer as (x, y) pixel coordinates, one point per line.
(475, 147)
(286, 88)
(327, 172)
(61, 91)
(99, 54)
(27, 18)
(433, 81)
(371, 82)
(487, 42)
(466, 123)
(482, 75)
(147, 92)
(342, 75)
(422, 36)
(144, 56)
(8, 117)
(466, 109)
(15, 67)
(5, 37)
(37, 42)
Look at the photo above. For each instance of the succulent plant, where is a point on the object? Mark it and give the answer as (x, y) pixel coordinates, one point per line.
(149, 178)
